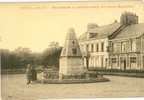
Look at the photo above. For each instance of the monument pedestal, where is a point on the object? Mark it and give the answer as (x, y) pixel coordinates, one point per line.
(71, 62)
(71, 66)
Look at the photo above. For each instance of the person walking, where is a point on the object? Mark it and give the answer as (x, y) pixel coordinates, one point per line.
(29, 74)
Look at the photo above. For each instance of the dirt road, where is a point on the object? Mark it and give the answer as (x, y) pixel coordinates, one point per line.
(14, 88)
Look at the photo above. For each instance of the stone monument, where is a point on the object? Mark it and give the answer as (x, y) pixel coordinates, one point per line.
(71, 63)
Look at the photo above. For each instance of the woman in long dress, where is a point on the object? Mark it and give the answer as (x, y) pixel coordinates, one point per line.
(29, 74)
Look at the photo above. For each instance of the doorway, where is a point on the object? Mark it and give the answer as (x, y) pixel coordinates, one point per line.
(124, 63)
(143, 62)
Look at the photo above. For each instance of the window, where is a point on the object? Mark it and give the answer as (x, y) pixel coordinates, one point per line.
(123, 48)
(102, 60)
(133, 59)
(73, 42)
(116, 47)
(133, 45)
(102, 47)
(92, 35)
(113, 60)
(112, 47)
(97, 47)
(92, 47)
(74, 51)
(143, 61)
(107, 49)
(87, 47)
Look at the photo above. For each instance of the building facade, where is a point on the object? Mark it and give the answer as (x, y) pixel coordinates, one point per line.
(94, 44)
(119, 45)
(126, 51)
(97, 52)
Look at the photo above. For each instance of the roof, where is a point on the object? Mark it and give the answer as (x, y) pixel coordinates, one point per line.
(101, 31)
(83, 36)
(131, 31)
(71, 47)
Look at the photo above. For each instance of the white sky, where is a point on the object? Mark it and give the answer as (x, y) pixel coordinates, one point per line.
(34, 25)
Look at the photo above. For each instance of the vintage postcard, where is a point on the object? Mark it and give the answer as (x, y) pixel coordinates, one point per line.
(75, 49)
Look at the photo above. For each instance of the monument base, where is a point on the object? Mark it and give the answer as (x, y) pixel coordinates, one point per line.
(52, 77)
(71, 66)
(75, 81)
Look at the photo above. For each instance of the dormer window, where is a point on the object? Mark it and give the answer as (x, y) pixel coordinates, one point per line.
(92, 35)
(91, 26)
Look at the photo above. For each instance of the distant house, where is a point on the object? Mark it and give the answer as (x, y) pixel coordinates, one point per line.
(114, 46)
(95, 43)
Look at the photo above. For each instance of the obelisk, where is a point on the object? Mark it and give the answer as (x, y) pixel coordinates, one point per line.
(71, 63)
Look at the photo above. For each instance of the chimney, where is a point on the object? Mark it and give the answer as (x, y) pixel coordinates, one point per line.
(128, 18)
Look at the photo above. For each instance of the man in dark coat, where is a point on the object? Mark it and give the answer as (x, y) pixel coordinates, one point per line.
(34, 74)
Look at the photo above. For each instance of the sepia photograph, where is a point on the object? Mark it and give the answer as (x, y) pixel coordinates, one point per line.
(72, 49)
